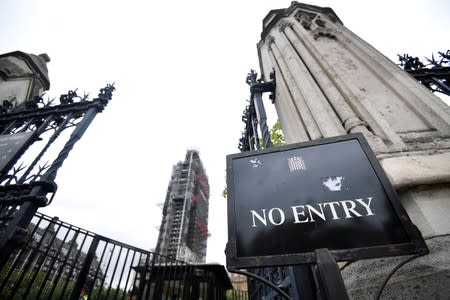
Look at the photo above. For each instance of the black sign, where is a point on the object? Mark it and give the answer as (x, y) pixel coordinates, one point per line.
(11, 146)
(285, 202)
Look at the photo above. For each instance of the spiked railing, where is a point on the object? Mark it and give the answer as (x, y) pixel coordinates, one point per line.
(255, 114)
(435, 74)
(27, 177)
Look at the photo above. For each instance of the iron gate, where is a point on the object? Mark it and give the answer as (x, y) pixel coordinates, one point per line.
(63, 261)
(30, 159)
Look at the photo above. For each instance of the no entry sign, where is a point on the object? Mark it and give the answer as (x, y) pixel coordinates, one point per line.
(285, 202)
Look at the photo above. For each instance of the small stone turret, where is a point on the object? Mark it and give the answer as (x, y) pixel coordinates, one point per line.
(22, 76)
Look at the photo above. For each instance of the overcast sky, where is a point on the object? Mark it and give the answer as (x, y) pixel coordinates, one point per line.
(179, 68)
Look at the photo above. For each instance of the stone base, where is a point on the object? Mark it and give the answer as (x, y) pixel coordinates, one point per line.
(426, 277)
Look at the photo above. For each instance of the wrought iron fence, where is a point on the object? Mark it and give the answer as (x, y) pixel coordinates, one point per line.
(434, 74)
(32, 151)
(62, 261)
(254, 114)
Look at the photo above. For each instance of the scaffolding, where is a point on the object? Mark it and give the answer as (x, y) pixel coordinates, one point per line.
(184, 226)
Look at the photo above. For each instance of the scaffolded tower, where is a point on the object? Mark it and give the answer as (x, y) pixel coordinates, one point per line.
(184, 227)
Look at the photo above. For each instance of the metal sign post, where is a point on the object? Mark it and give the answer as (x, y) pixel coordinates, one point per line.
(331, 282)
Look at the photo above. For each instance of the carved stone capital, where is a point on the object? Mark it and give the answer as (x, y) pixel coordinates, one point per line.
(305, 18)
(284, 24)
(270, 40)
(324, 32)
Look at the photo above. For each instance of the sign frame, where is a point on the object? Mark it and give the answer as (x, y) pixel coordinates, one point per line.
(415, 244)
(12, 146)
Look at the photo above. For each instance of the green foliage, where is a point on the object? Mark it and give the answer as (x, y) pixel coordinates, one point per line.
(236, 295)
(50, 290)
(276, 134)
(37, 279)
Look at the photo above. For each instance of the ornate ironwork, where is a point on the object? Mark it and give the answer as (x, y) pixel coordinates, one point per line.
(255, 114)
(269, 283)
(435, 74)
(285, 278)
(26, 180)
(249, 140)
(263, 282)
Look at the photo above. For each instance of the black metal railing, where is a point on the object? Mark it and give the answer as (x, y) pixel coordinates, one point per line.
(254, 114)
(434, 74)
(62, 261)
(35, 139)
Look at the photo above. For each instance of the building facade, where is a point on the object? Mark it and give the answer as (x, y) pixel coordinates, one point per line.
(330, 82)
(184, 227)
(239, 282)
(62, 259)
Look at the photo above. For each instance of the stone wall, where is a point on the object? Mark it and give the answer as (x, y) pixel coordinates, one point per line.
(331, 82)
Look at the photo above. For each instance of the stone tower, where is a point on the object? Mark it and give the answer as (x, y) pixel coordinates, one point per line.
(331, 82)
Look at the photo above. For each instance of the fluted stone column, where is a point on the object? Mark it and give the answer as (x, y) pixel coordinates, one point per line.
(331, 82)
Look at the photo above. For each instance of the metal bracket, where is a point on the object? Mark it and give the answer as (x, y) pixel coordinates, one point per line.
(330, 277)
(19, 193)
(256, 86)
(262, 87)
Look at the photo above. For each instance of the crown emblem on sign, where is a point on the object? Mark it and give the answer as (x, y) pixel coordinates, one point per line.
(296, 163)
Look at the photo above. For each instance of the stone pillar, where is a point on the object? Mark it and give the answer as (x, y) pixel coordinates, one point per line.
(331, 82)
(22, 77)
